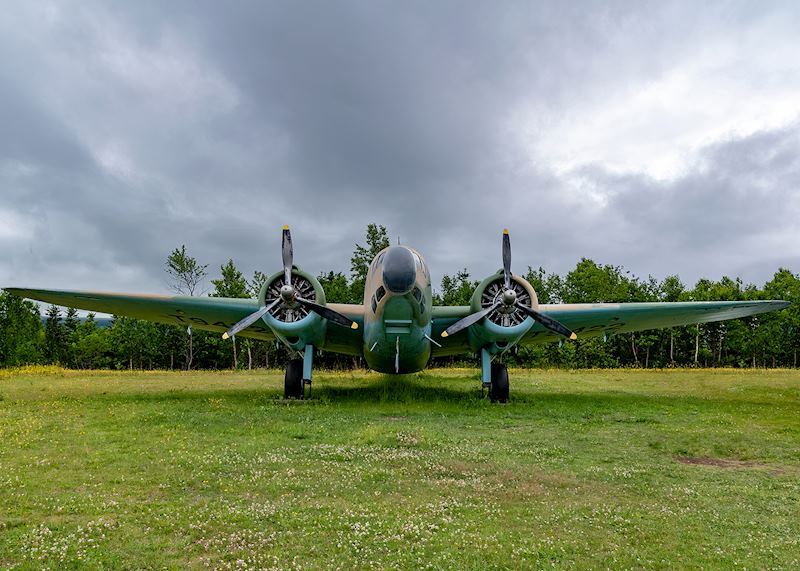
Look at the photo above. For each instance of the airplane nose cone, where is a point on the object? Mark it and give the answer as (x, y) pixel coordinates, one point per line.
(399, 270)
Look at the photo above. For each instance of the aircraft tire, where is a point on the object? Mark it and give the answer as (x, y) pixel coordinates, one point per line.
(498, 390)
(293, 386)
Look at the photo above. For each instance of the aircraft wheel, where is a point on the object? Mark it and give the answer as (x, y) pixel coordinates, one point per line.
(293, 382)
(498, 390)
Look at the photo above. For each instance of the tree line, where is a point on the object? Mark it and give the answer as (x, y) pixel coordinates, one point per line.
(61, 337)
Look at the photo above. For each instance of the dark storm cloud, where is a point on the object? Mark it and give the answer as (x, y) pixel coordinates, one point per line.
(131, 128)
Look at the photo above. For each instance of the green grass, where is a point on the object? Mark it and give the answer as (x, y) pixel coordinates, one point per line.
(584, 469)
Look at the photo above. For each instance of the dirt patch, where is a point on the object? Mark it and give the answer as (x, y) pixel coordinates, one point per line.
(725, 463)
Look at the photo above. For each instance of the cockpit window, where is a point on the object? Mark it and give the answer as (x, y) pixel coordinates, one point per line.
(417, 294)
(374, 304)
(380, 293)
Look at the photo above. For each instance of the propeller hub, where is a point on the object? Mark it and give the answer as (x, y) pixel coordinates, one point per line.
(287, 293)
(509, 297)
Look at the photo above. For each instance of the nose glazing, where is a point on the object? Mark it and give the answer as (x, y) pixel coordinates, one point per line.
(399, 271)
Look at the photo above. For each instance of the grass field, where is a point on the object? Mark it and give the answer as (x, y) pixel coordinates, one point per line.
(583, 469)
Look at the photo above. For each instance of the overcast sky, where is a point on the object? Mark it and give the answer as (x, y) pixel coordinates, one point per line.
(663, 137)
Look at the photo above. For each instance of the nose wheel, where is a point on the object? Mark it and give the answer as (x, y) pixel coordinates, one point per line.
(498, 388)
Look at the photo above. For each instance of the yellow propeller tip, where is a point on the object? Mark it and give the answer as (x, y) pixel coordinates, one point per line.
(285, 226)
(505, 230)
(354, 325)
(573, 337)
(444, 333)
(225, 335)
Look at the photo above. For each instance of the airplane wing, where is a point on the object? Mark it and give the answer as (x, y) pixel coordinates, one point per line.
(597, 319)
(208, 313)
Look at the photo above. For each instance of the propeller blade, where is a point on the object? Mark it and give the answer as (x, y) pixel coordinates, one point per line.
(506, 258)
(548, 322)
(249, 320)
(287, 254)
(469, 320)
(327, 313)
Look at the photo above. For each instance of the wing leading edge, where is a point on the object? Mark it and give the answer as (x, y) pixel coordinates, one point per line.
(208, 313)
(596, 319)
(216, 314)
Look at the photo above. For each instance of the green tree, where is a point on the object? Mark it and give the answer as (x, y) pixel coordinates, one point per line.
(377, 239)
(547, 286)
(54, 336)
(231, 284)
(21, 331)
(70, 330)
(590, 282)
(672, 290)
(254, 286)
(336, 288)
(456, 289)
(784, 326)
(186, 276)
(92, 346)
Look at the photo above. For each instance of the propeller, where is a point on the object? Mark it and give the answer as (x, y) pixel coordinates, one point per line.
(289, 297)
(249, 320)
(507, 301)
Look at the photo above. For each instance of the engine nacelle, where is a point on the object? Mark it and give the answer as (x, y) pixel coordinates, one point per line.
(296, 325)
(506, 324)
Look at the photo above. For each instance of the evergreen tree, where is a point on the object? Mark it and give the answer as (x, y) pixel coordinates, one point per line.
(54, 336)
(70, 330)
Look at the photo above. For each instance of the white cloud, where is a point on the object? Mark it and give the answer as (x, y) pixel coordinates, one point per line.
(731, 82)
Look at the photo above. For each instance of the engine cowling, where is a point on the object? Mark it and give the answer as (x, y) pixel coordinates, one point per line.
(296, 324)
(507, 322)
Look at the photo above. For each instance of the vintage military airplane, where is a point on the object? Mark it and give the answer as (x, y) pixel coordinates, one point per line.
(397, 329)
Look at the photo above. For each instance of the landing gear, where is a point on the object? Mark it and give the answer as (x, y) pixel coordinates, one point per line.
(498, 389)
(298, 374)
(294, 386)
(494, 376)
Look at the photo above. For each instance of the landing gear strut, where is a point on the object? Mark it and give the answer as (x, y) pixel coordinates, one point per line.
(298, 374)
(494, 376)
(498, 389)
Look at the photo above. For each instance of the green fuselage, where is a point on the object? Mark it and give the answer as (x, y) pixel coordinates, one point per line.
(397, 312)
